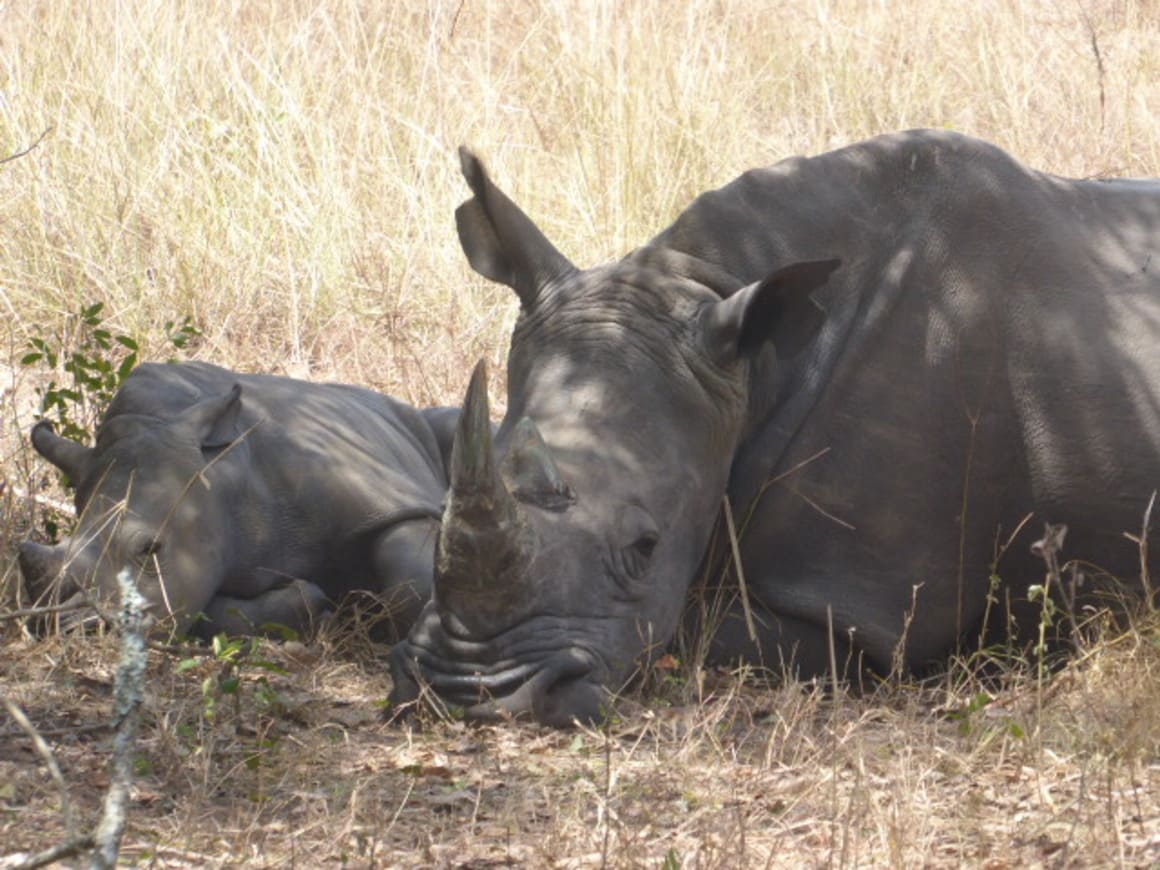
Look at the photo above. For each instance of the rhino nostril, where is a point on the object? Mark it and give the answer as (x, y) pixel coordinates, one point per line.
(569, 691)
(572, 700)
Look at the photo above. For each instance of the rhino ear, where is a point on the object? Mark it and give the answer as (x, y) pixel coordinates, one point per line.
(500, 241)
(69, 456)
(777, 308)
(213, 422)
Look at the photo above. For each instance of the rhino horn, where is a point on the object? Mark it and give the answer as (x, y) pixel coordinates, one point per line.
(485, 544)
(69, 456)
(532, 472)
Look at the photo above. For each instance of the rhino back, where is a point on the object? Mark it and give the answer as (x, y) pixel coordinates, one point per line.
(342, 447)
(990, 349)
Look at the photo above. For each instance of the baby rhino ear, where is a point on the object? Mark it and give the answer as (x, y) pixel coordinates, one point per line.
(778, 309)
(213, 422)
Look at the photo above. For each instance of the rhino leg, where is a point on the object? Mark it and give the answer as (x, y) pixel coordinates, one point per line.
(298, 606)
(404, 560)
(784, 645)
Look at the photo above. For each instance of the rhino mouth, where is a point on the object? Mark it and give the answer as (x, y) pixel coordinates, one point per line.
(556, 687)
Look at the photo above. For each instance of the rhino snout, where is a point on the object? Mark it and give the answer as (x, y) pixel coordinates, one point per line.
(40, 564)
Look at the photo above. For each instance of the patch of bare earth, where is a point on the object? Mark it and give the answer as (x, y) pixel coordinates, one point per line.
(296, 767)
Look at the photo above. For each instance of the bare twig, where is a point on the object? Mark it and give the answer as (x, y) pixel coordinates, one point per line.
(20, 154)
(66, 731)
(61, 507)
(48, 856)
(45, 752)
(127, 695)
(46, 610)
(1141, 543)
(1094, 38)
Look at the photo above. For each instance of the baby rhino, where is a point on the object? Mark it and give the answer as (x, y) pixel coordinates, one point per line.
(239, 501)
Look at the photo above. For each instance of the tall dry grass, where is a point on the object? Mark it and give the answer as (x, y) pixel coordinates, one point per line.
(285, 173)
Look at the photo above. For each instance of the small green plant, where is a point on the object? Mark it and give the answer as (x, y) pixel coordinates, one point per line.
(226, 677)
(973, 712)
(96, 361)
(230, 656)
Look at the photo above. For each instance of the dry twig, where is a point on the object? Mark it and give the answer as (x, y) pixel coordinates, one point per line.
(46, 610)
(27, 150)
(749, 626)
(45, 752)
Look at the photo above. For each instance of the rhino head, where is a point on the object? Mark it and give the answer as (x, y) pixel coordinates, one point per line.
(569, 542)
(146, 500)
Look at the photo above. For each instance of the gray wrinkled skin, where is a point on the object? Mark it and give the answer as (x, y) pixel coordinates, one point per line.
(988, 348)
(246, 500)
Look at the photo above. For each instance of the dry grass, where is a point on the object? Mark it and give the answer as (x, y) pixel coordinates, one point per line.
(285, 174)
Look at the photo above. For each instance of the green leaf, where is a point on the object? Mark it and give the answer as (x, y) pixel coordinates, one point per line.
(272, 667)
(126, 341)
(30, 358)
(283, 632)
(127, 365)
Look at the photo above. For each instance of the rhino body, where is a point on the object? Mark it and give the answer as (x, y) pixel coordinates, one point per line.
(250, 499)
(887, 357)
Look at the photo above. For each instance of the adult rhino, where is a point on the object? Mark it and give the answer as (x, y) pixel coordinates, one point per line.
(250, 499)
(988, 347)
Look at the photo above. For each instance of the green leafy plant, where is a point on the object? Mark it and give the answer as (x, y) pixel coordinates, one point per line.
(96, 360)
(230, 657)
(970, 716)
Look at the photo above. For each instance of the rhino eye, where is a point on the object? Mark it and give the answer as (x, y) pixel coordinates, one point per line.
(639, 554)
(645, 545)
(148, 546)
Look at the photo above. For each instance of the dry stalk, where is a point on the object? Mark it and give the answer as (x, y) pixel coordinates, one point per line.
(27, 150)
(735, 547)
(45, 753)
(1094, 40)
(1141, 543)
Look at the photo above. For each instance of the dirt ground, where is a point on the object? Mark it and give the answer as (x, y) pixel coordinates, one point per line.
(282, 758)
